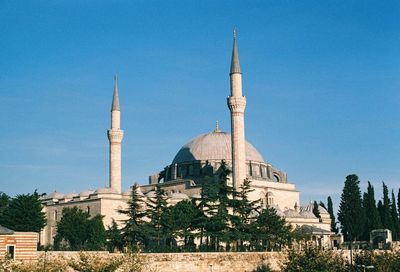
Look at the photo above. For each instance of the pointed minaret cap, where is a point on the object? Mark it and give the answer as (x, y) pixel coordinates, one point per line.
(217, 127)
(115, 102)
(235, 65)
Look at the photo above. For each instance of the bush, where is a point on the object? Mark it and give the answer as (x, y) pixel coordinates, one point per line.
(314, 260)
(87, 262)
(387, 261)
(41, 265)
(263, 268)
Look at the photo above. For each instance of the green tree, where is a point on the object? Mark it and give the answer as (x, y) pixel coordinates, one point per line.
(115, 239)
(334, 228)
(386, 216)
(314, 260)
(156, 208)
(372, 218)
(351, 214)
(133, 231)
(316, 210)
(24, 213)
(244, 213)
(217, 227)
(395, 218)
(270, 231)
(4, 202)
(75, 231)
(182, 220)
(398, 202)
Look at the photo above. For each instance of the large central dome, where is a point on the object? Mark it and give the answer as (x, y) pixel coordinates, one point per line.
(213, 146)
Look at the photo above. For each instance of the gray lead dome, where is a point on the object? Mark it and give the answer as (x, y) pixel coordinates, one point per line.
(213, 146)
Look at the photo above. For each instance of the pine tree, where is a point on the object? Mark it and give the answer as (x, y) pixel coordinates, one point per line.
(373, 220)
(351, 214)
(386, 215)
(334, 228)
(24, 213)
(156, 208)
(395, 218)
(133, 231)
(115, 239)
(244, 212)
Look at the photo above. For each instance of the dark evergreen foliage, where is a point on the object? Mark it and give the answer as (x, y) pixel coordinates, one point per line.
(372, 218)
(351, 213)
(115, 239)
(386, 215)
(334, 227)
(76, 231)
(133, 231)
(316, 210)
(395, 218)
(23, 213)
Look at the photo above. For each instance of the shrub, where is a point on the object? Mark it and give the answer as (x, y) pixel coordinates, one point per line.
(314, 260)
(87, 262)
(41, 265)
(263, 268)
(387, 261)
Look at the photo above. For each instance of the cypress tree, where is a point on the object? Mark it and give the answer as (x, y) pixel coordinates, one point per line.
(398, 202)
(316, 210)
(351, 214)
(334, 228)
(395, 218)
(386, 215)
(373, 220)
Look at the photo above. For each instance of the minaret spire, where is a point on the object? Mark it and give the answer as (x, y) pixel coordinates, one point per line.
(115, 101)
(237, 105)
(115, 136)
(235, 64)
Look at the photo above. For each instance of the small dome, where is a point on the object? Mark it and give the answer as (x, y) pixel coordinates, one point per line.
(179, 196)
(290, 213)
(213, 146)
(53, 195)
(86, 193)
(106, 190)
(70, 195)
(307, 214)
(322, 210)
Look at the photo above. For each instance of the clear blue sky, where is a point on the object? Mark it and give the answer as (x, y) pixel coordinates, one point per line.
(321, 80)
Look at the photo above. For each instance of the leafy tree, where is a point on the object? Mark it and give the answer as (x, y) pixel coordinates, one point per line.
(316, 210)
(386, 215)
(182, 220)
(314, 260)
(395, 218)
(75, 231)
(115, 239)
(133, 231)
(351, 214)
(372, 218)
(87, 262)
(270, 231)
(24, 213)
(334, 228)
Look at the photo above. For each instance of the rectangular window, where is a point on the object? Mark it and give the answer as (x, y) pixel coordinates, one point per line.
(11, 252)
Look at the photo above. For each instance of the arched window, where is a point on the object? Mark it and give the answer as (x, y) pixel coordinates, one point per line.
(55, 215)
(88, 210)
(276, 178)
(270, 199)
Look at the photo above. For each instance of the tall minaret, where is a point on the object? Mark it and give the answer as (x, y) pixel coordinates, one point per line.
(115, 135)
(237, 104)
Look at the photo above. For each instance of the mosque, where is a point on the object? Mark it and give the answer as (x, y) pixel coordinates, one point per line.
(201, 157)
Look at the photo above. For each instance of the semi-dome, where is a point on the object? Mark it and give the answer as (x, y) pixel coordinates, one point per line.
(53, 195)
(213, 146)
(86, 193)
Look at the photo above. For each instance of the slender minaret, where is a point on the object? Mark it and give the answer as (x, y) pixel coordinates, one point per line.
(115, 135)
(237, 104)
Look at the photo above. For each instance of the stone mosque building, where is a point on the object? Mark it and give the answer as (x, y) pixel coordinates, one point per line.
(199, 158)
